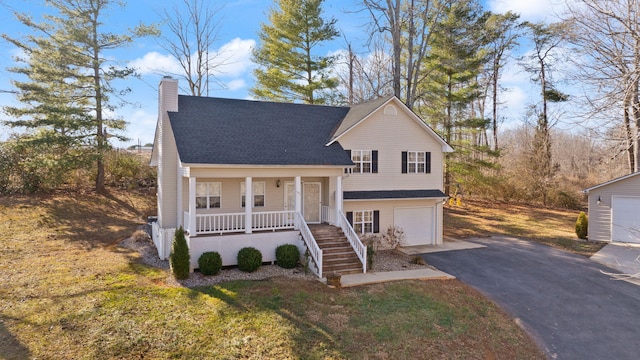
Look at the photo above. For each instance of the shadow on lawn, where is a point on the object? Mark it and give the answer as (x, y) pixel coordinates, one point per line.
(12, 348)
(310, 338)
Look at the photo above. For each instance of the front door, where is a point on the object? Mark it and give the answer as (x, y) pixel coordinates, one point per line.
(311, 202)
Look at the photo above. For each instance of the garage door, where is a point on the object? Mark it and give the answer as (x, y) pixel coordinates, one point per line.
(417, 223)
(625, 219)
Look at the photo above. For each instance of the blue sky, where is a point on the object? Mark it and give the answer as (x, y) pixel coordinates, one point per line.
(239, 25)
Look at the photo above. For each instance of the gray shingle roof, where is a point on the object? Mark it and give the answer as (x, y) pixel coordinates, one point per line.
(238, 132)
(392, 194)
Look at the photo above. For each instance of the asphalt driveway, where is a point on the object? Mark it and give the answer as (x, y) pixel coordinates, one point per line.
(563, 300)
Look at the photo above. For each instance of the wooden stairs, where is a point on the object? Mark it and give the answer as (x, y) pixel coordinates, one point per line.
(337, 254)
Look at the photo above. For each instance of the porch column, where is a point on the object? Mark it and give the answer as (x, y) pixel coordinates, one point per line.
(298, 192)
(192, 206)
(338, 200)
(180, 202)
(248, 204)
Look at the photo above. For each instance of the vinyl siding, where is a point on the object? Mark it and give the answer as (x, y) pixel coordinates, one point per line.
(167, 156)
(600, 215)
(386, 208)
(391, 135)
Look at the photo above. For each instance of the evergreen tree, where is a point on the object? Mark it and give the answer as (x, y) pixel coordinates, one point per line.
(290, 70)
(66, 82)
(453, 64)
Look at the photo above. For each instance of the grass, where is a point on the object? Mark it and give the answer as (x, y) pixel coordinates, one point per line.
(554, 227)
(67, 292)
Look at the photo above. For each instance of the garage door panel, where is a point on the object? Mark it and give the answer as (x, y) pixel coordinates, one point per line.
(417, 224)
(625, 219)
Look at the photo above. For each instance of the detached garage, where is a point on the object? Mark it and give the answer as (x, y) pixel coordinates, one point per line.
(614, 210)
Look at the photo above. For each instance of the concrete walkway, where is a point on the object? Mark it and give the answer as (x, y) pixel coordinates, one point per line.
(622, 257)
(449, 244)
(386, 276)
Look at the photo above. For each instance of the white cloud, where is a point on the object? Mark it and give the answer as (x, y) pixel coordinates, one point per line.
(234, 57)
(231, 60)
(154, 62)
(236, 84)
(531, 10)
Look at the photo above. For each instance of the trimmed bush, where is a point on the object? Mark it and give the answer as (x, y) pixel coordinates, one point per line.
(582, 224)
(249, 259)
(179, 258)
(287, 256)
(210, 263)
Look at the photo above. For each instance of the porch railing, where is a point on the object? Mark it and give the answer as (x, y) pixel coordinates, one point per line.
(273, 220)
(235, 222)
(354, 240)
(312, 246)
(328, 214)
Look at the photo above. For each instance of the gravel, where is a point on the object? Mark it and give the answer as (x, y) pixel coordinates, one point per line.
(384, 260)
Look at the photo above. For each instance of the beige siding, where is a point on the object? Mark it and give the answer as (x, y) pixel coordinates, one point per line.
(167, 156)
(386, 208)
(231, 201)
(391, 135)
(600, 215)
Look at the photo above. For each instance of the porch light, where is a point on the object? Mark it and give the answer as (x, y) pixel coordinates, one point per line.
(278, 183)
(599, 200)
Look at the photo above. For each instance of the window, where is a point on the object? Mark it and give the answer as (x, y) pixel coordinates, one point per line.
(366, 161)
(416, 162)
(208, 195)
(364, 221)
(258, 193)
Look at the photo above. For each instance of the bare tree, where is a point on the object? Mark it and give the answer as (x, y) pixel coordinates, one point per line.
(366, 77)
(607, 35)
(193, 30)
(410, 24)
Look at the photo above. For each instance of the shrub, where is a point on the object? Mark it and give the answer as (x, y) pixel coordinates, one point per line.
(249, 259)
(210, 263)
(287, 256)
(179, 258)
(582, 225)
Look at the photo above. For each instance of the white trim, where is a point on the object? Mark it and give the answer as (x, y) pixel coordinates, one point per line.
(248, 202)
(586, 191)
(396, 199)
(353, 221)
(359, 166)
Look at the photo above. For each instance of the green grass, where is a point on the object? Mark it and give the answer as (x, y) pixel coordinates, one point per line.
(66, 292)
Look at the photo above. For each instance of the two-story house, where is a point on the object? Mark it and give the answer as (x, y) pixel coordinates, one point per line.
(238, 173)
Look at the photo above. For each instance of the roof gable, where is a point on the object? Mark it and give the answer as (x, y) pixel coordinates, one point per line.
(586, 191)
(243, 132)
(360, 113)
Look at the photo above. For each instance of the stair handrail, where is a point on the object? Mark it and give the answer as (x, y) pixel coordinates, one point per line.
(357, 245)
(312, 246)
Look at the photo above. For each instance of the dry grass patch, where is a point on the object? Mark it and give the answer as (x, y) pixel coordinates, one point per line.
(67, 292)
(555, 227)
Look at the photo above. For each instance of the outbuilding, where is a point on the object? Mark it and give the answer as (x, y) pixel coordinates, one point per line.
(614, 210)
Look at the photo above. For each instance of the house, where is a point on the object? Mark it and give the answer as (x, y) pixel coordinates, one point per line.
(614, 208)
(237, 173)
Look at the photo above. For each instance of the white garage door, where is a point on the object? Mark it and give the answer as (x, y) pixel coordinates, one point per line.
(417, 223)
(625, 219)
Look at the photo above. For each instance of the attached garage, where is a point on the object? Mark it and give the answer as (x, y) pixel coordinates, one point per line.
(614, 210)
(418, 224)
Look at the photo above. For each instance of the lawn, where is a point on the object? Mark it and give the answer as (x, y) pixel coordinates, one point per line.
(67, 291)
(481, 218)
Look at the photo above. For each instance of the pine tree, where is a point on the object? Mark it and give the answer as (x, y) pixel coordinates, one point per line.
(67, 79)
(290, 70)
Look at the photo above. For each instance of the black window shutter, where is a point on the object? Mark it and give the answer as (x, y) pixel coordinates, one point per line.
(374, 161)
(404, 162)
(350, 217)
(427, 165)
(376, 221)
(346, 170)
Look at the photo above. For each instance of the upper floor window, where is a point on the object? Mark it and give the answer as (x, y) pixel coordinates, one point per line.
(366, 161)
(258, 193)
(208, 195)
(416, 162)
